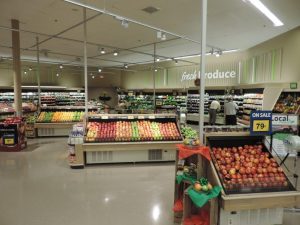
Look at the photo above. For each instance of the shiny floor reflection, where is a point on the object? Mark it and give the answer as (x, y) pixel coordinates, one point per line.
(38, 188)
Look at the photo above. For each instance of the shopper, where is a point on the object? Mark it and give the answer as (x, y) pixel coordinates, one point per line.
(230, 111)
(213, 109)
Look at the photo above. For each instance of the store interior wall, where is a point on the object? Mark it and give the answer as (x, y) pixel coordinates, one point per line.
(288, 43)
(104, 83)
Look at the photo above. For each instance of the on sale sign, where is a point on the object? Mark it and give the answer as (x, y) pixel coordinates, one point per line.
(261, 122)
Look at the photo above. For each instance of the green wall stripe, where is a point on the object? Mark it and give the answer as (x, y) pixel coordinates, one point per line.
(273, 64)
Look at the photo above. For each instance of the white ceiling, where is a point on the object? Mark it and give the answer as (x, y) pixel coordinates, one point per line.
(232, 24)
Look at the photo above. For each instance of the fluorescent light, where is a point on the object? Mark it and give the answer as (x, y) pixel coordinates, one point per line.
(230, 51)
(261, 7)
(44, 87)
(208, 53)
(187, 56)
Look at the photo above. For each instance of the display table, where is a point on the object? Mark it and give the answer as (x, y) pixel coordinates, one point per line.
(263, 203)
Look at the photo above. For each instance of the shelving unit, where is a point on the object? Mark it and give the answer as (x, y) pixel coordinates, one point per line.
(252, 101)
(62, 98)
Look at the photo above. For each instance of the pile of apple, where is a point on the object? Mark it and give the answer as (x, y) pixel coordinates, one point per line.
(143, 130)
(248, 167)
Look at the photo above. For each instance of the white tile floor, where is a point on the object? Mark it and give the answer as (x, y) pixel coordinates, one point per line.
(38, 188)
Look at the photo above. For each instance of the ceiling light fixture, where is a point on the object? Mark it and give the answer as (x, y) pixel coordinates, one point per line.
(116, 53)
(99, 70)
(102, 51)
(155, 70)
(93, 77)
(263, 9)
(157, 59)
(30, 68)
(57, 74)
(125, 66)
(161, 35)
(25, 72)
(61, 66)
(125, 23)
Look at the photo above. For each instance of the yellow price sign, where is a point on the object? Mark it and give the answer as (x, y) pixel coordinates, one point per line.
(10, 141)
(261, 125)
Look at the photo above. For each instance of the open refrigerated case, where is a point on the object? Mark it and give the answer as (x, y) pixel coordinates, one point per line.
(117, 138)
(254, 183)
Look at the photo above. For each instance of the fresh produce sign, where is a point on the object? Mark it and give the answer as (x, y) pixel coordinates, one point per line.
(261, 122)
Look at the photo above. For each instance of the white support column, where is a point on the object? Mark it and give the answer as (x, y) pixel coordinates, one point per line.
(16, 66)
(154, 85)
(38, 72)
(85, 63)
(202, 68)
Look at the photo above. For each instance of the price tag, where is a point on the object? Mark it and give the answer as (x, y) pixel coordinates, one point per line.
(141, 117)
(151, 117)
(260, 122)
(261, 125)
(130, 117)
(9, 141)
(104, 117)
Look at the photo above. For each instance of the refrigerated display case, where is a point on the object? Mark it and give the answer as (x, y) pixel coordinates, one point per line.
(115, 138)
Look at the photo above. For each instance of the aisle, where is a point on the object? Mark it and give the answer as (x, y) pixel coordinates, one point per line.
(38, 188)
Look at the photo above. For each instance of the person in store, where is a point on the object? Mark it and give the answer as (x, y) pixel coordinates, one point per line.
(230, 112)
(213, 109)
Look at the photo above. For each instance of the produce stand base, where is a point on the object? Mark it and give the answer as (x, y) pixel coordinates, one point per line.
(15, 148)
(104, 153)
(53, 129)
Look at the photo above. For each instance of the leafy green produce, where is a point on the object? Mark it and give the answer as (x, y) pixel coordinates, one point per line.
(189, 132)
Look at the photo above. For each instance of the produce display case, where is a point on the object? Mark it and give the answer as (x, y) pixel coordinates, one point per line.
(12, 134)
(288, 102)
(252, 169)
(117, 138)
(58, 120)
(252, 191)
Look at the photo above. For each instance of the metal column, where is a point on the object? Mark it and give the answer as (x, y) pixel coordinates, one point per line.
(202, 68)
(85, 63)
(16, 67)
